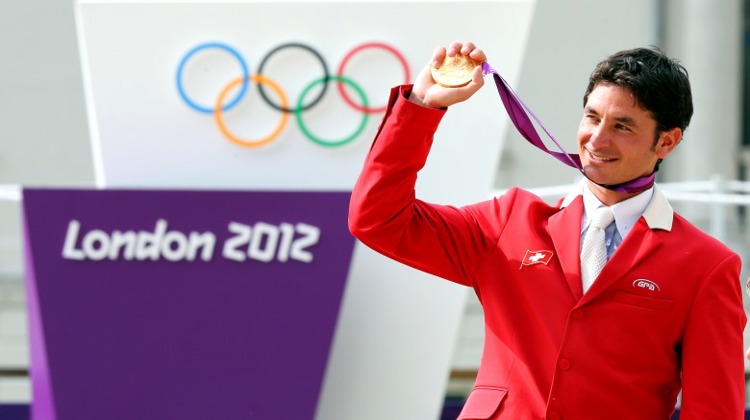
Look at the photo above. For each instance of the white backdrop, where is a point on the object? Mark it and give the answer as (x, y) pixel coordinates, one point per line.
(392, 350)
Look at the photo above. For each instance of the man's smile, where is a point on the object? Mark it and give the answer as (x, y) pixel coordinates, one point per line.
(598, 158)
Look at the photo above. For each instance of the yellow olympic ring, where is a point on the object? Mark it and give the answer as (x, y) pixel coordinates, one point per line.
(251, 143)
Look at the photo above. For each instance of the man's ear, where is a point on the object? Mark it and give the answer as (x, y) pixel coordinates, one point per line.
(668, 140)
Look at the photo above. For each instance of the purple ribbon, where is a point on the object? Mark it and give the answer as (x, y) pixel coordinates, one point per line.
(519, 115)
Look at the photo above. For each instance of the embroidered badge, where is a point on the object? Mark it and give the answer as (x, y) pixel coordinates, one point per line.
(646, 284)
(536, 257)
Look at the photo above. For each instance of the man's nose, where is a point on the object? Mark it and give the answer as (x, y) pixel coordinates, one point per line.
(599, 136)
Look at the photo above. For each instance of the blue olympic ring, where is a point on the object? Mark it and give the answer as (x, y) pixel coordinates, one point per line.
(221, 46)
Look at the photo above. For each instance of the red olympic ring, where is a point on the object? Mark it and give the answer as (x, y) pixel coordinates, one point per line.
(350, 54)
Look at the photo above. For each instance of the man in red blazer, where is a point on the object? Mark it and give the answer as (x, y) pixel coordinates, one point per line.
(664, 315)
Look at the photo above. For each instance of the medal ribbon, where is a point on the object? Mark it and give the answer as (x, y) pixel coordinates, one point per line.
(519, 114)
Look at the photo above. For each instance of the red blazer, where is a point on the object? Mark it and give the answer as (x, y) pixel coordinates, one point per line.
(665, 315)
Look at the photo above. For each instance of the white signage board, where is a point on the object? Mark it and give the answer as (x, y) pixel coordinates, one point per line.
(154, 73)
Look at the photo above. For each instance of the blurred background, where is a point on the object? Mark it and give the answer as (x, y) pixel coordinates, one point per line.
(45, 139)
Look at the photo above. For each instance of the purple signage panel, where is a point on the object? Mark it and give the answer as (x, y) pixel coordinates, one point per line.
(150, 304)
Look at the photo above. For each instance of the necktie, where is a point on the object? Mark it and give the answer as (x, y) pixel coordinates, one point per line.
(593, 251)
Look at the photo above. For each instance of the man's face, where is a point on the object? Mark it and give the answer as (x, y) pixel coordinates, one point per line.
(616, 137)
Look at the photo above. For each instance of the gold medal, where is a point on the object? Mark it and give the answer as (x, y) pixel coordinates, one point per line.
(455, 71)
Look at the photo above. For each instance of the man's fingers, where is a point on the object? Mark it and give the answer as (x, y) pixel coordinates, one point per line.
(467, 48)
(478, 55)
(437, 56)
(477, 76)
(454, 48)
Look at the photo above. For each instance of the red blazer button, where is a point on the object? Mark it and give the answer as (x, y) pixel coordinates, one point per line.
(578, 313)
(564, 364)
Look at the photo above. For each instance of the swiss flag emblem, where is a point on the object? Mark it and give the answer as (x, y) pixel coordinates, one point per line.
(537, 257)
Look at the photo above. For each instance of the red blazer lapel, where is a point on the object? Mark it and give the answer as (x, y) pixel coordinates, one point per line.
(640, 242)
(565, 231)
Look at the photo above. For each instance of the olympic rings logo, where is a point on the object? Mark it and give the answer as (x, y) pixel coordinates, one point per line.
(241, 84)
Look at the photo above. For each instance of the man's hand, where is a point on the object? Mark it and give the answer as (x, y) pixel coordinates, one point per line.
(428, 93)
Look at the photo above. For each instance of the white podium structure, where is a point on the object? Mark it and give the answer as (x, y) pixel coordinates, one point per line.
(287, 96)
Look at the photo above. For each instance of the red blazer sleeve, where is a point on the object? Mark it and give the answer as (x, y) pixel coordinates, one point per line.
(712, 354)
(385, 214)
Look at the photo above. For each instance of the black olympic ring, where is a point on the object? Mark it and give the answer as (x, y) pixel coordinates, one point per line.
(326, 76)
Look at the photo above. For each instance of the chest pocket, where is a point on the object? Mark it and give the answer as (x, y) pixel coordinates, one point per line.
(656, 304)
(483, 403)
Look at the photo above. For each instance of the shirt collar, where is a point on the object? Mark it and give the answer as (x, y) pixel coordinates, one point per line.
(651, 204)
(627, 212)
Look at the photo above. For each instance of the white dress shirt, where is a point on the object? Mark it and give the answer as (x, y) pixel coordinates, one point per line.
(627, 213)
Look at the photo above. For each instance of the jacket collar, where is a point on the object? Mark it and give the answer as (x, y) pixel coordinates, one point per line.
(658, 214)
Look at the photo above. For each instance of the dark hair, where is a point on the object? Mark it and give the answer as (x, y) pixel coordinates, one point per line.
(660, 84)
